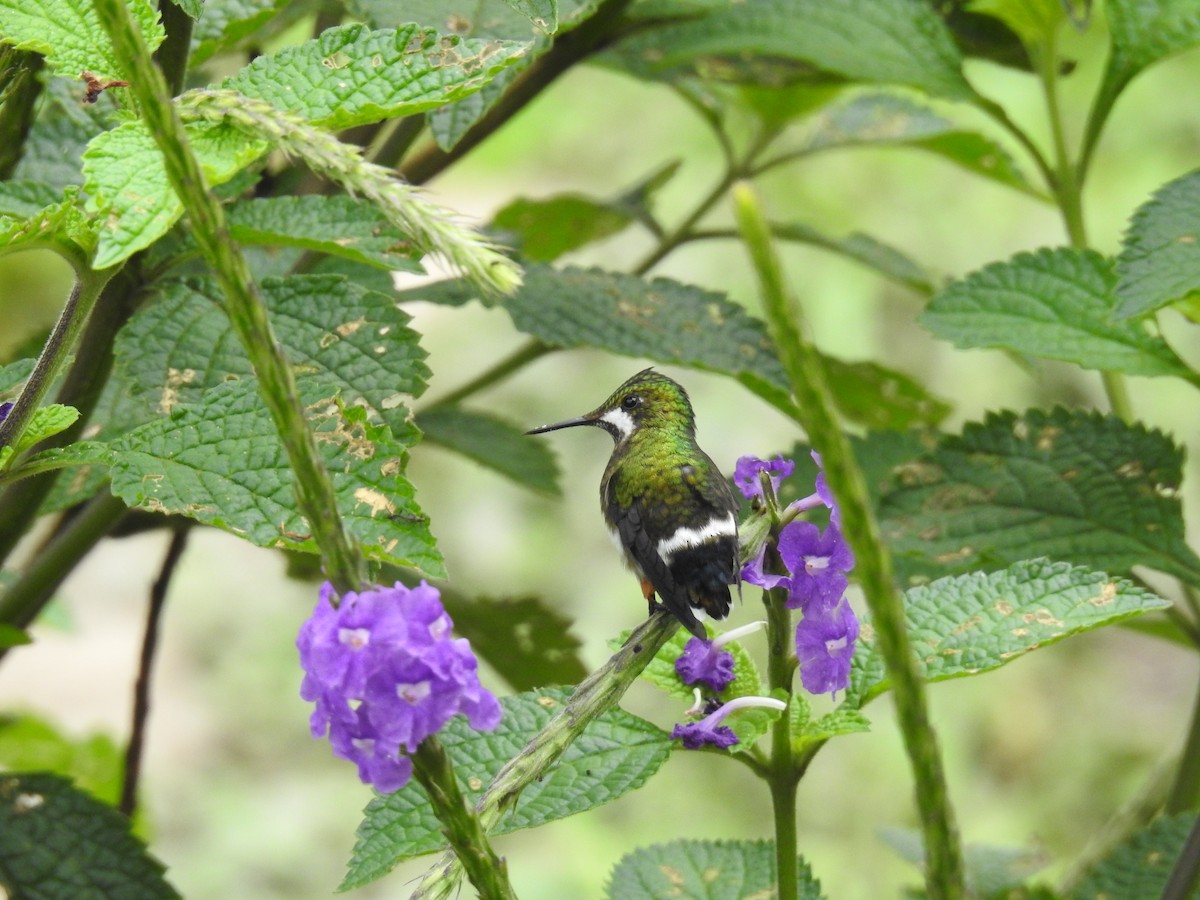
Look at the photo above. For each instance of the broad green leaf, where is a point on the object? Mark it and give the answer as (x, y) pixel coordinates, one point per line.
(220, 462)
(192, 8)
(22, 199)
(529, 645)
(982, 36)
(62, 226)
(95, 763)
(69, 34)
(967, 624)
(45, 422)
(53, 150)
(1160, 262)
(716, 869)
(544, 230)
(865, 250)
(1141, 865)
(11, 636)
(679, 324)
(1142, 32)
(543, 13)
(890, 119)
(1035, 21)
(224, 23)
(881, 398)
(339, 225)
(1070, 485)
(843, 720)
(1053, 303)
(615, 754)
(882, 41)
(56, 841)
(129, 187)
(492, 442)
(14, 374)
(181, 345)
(352, 75)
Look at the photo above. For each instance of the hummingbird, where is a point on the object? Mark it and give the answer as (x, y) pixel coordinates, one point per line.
(667, 506)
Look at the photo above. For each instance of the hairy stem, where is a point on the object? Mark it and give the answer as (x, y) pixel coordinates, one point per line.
(944, 866)
(19, 76)
(782, 780)
(245, 307)
(141, 689)
(1185, 792)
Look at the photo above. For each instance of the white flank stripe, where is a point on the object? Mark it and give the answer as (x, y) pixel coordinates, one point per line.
(725, 526)
(620, 420)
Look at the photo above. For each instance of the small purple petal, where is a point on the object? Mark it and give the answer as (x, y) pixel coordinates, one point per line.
(5, 409)
(825, 643)
(702, 663)
(697, 734)
(746, 472)
(818, 562)
(752, 572)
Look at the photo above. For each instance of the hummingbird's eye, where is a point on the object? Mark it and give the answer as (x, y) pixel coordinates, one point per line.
(633, 401)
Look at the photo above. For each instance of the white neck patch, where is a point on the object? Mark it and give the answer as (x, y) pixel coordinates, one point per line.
(620, 420)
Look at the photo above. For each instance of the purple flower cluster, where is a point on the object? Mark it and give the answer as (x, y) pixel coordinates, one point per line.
(709, 730)
(385, 674)
(816, 564)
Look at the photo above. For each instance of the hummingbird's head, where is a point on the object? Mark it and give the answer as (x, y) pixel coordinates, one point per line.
(647, 401)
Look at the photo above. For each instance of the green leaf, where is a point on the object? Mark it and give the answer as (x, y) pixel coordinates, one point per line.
(224, 23)
(865, 250)
(343, 226)
(1160, 261)
(22, 199)
(61, 226)
(1141, 865)
(95, 763)
(967, 624)
(45, 422)
(493, 443)
(881, 398)
(56, 841)
(882, 41)
(220, 462)
(1070, 485)
(716, 869)
(615, 754)
(1035, 21)
(529, 645)
(352, 75)
(69, 34)
(1053, 303)
(179, 346)
(543, 230)
(889, 119)
(11, 636)
(543, 13)
(843, 720)
(1142, 33)
(129, 187)
(14, 374)
(53, 151)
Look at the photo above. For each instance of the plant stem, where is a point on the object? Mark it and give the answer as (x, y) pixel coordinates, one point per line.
(141, 690)
(598, 692)
(814, 407)
(782, 780)
(1185, 792)
(1185, 876)
(518, 359)
(244, 306)
(20, 95)
(487, 872)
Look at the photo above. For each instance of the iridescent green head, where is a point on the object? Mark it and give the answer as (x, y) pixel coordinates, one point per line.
(648, 401)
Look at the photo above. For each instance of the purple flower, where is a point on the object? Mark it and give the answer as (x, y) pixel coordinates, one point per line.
(704, 662)
(709, 730)
(746, 474)
(754, 573)
(825, 646)
(385, 673)
(818, 561)
(5, 409)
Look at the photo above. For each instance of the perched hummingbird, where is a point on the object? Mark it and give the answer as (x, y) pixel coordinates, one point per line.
(667, 505)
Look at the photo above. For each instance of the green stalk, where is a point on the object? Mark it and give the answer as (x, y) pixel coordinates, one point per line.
(489, 873)
(782, 779)
(598, 692)
(245, 307)
(22, 87)
(814, 411)
(1185, 792)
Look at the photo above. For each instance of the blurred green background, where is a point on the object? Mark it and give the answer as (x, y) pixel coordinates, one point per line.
(242, 803)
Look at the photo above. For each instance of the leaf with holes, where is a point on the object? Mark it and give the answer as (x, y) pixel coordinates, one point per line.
(1141, 864)
(68, 33)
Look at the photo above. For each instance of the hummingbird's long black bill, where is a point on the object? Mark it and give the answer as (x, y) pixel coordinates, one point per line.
(569, 423)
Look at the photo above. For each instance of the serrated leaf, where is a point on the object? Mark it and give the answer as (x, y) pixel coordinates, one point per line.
(529, 645)
(1140, 866)
(863, 249)
(716, 869)
(1056, 304)
(223, 23)
(492, 442)
(1070, 485)
(61, 226)
(674, 323)
(22, 199)
(1143, 32)
(543, 13)
(53, 150)
(56, 841)
(1160, 260)
(842, 720)
(890, 119)
(615, 754)
(353, 75)
(339, 225)
(128, 184)
(543, 230)
(45, 422)
(181, 345)
(881, 41)
(69, 34)
(220, 462)
(966, 624)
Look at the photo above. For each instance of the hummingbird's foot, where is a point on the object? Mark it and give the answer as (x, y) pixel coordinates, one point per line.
(648, 593)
